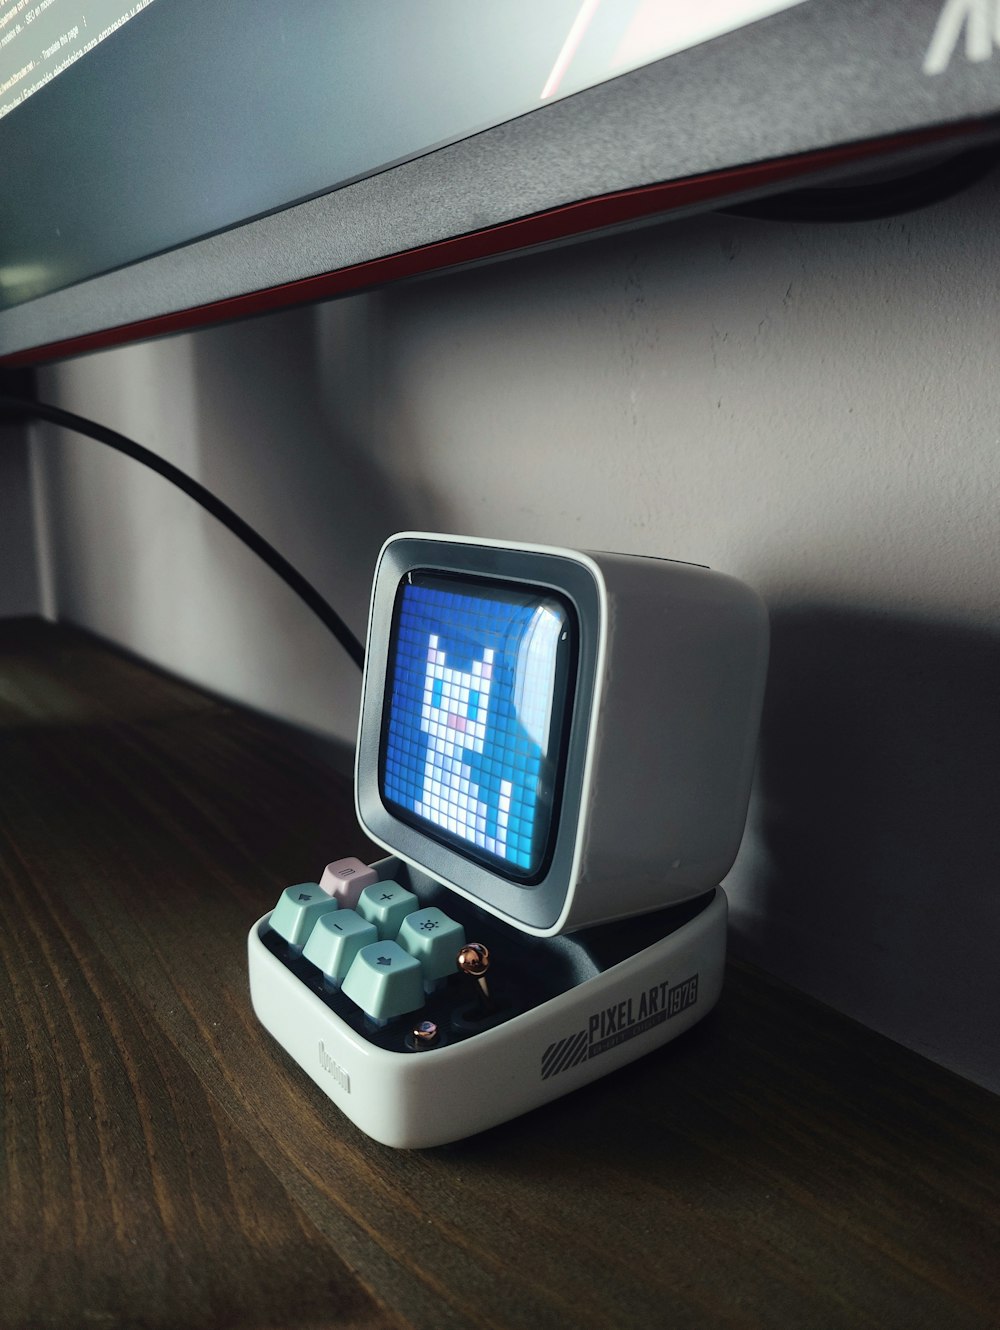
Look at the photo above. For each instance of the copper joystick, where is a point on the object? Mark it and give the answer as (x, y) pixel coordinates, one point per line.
(474, 960)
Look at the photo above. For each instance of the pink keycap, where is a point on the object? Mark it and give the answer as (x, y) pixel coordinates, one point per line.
(346, 879)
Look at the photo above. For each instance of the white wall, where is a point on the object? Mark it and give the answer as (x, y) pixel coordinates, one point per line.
(811, 408)
(252, 412)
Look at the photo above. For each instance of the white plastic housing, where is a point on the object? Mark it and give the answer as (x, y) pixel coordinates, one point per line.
(412, 1100)
(662, 739)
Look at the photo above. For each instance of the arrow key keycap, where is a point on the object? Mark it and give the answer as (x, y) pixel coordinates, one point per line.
(385, 981)
(297, 910)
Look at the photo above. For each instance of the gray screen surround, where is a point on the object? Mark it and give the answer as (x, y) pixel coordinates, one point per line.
(539, 905)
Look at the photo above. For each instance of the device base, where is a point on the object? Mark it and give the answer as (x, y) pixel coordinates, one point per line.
(611, 1009)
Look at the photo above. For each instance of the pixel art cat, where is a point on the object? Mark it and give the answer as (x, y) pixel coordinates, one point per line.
(454, 718)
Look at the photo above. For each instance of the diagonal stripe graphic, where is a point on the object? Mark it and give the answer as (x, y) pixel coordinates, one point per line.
(550, 1055)
(562, 1053)
(582, 1053)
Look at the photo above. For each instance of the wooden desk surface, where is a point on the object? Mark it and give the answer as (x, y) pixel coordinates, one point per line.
(165, 1164)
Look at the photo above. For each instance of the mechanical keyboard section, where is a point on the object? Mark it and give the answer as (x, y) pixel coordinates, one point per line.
(386, 905)
(418, 1047)
(336, 939)
(297, 911)
(391, 958)
(321, 944)
(385, 981)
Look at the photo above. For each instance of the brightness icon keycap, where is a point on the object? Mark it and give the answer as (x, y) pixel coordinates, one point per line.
(434, 939)
(385, 981)
(336, 940)
(386, 905)
(297, 911)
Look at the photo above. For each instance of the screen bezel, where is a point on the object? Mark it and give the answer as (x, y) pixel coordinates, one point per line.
(539, 904)
(564, 687)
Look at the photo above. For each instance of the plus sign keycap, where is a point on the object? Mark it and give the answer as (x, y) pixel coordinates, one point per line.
(386, 905)
(434, 940)
(385, 981)
(335, 941)
(346, 879)
(297, 910)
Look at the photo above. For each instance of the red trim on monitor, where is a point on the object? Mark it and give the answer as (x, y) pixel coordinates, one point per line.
(573, 219)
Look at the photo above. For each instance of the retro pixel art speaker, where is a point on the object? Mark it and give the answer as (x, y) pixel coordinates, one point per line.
(564, 738)
(556, 750)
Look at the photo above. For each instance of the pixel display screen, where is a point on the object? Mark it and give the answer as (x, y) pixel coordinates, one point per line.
(479, 692)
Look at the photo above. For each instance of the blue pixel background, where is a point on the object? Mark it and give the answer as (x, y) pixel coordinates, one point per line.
(465, 625)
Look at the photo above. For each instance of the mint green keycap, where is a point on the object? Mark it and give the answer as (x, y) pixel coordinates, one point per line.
(386, 905)
(385, 981)
(297, 910)
(335, 941)
(434, 940)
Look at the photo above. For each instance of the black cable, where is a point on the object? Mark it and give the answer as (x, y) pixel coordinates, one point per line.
(869, 201)
(21, 409)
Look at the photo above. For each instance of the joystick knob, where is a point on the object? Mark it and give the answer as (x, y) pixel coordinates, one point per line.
(474, 960)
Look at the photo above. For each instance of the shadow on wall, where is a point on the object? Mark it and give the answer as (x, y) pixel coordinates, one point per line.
(880, 825)
(295, 402)
(291, 407)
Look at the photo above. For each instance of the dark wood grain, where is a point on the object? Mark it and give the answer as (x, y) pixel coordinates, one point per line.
(165, 1164)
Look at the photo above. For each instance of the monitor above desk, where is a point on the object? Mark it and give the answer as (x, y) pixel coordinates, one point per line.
(202, 163)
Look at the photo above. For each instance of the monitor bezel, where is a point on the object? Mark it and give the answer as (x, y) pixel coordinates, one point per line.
(574, 577)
